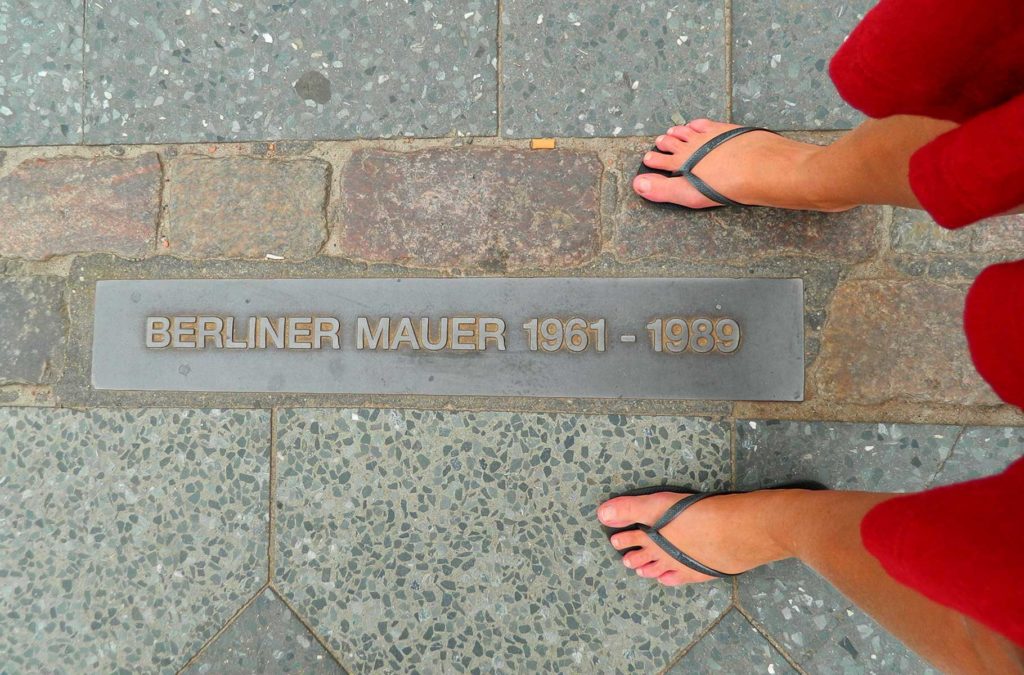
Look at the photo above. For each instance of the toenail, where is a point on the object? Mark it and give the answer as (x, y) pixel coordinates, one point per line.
(659, 139)
(606, 513)
(627, 563)
(643, 185)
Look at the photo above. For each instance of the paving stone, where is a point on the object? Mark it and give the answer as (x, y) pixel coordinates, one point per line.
(266, 638)
(982, 451)
(241, 207)
(914, 232)
(871, 457)
(68, 205)
(490, 208)
(898, 340)
(1004, 234)
(130, 536)
(733, 647)
(643, 230)
(468, 541)
(40, 72)
(576, 68)
(32, 329)
(822, 630)
(781, 52)
(178, 71)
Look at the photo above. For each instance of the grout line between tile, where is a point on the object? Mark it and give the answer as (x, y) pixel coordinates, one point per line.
(499, 79)
(693, 643)
(316, 636)
(728, 60)
(771, 639)
(230, 622)
(272, 498)
(85, 82)
(942, 465)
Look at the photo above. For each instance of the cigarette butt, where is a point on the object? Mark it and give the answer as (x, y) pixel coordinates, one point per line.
(542, 144)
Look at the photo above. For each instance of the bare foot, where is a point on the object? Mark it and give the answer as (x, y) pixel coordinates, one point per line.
(757, 168)
(729, 533)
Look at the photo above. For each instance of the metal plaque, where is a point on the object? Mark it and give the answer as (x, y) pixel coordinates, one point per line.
(722, 339)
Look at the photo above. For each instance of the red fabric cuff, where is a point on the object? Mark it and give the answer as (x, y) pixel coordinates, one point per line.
(994, 323)
(975, 171)
(961, 546)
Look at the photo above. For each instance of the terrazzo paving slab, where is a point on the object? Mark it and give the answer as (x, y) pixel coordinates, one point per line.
(734, 647)
(822, 630)
(129, 537)
(874, 457)
(451, 542)
(577, 68)
(981, 451)
(266, 638)
(32, 329)
(40, 72)
(180, 70)
(781, 51)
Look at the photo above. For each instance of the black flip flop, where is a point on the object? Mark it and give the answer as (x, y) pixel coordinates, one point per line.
(674, 511)
(686, 170)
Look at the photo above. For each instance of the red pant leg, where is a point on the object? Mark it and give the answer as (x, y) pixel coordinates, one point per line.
(947, 59)
(961, 546)
(994, 322)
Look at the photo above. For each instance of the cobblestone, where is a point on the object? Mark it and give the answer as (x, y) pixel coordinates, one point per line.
(67, 205)
(32, 329)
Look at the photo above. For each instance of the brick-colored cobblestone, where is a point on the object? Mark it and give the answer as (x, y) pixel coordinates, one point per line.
(32, 329)
(643, 230)
(1003, 234)
(241, 207)
(69, 205)
(898, 341)
(491, 209)
(914, 232)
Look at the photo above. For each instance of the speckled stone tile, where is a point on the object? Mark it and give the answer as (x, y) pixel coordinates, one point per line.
(844, 456)
(733, 647)
(266, 638)
(462, 541)
(129, 537)
(40, 72)
(981, 451)
(781, 51)
(822, 630)
(180, 70)
(576, 68)
(32, 329)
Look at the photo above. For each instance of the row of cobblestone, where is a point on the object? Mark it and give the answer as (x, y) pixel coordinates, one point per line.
(884, 288)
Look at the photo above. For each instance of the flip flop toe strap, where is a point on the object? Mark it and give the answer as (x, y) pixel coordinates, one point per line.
(671, 514)
(686, 170)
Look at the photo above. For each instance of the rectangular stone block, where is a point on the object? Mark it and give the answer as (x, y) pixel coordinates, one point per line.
(914, 232)
(603, 69)
(41, 78)
(643, 230)
(898, 341)
(180, 71)
(490, 209)
(69, 205)
(241, 207)
(998, 235)
(781, 51)
(710, 339)
(32, 329)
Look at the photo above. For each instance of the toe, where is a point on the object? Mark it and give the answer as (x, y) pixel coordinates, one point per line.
(640, 557)
(669, 143)
(660, 160)
(671, 578)
(630, 539)
(658, 188)
(646, 509)
(700, 125)
(651, 570)
(682, 133)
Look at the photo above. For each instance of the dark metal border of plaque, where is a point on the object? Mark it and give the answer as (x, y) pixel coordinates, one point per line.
(712, 339)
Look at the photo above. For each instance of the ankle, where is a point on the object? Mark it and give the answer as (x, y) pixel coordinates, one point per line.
(783, 512)
(814, 172)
